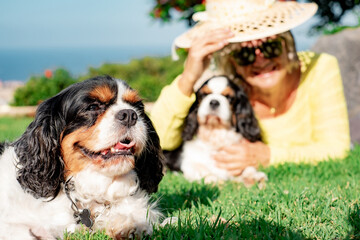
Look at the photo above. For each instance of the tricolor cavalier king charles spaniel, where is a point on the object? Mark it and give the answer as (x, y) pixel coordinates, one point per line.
(220, 116)
(90, 158)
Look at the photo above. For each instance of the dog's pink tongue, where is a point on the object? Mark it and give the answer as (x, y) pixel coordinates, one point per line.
(104, 152)
(122, 146)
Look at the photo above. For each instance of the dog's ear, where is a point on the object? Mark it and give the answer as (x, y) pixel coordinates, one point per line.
(149, 165)
(191, 123)
(172, 158)
(2, 147)
(245, 120)
(40, 170)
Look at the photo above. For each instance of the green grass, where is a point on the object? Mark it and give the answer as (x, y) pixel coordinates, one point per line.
(300, 201)
(11, 128)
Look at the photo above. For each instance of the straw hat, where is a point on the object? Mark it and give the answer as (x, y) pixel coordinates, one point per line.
(248, 19)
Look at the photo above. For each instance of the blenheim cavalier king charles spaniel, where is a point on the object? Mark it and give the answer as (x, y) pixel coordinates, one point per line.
(220, 116)
(90, 158)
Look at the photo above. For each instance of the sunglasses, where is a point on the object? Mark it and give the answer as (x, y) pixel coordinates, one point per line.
(246, 55)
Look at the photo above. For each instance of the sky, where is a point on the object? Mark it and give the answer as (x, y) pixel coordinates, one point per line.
(95, 23)
(82, 23)
(91, 23)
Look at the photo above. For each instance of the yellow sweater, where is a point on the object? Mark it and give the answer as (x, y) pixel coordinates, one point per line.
(314, 128)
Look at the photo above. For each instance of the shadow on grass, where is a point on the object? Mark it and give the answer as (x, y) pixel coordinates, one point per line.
(194, 196)
(202, 228)
(354, 220)
(262, 229)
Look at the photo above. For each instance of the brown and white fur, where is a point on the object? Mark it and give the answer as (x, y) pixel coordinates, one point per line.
(220, 116)
(89, 147)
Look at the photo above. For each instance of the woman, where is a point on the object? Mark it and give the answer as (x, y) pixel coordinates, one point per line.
(297, 98)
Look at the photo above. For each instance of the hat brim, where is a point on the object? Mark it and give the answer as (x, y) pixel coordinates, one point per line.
(280, 17)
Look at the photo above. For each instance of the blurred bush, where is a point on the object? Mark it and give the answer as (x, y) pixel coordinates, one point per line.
(147, 75)
(40, 88)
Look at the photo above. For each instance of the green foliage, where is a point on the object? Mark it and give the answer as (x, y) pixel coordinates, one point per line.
(333, 28)
(147, 75)
(163, 9)
(330, 12)
(40, 88)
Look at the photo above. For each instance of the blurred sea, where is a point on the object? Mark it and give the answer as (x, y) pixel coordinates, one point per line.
(20, 64)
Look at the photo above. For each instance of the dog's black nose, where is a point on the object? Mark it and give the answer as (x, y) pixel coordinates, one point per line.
(214, 104)
(127, 117)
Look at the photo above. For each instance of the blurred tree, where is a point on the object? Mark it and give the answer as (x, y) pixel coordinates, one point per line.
(329, 12)
(40, 88)
(164, 9)
(147, 75)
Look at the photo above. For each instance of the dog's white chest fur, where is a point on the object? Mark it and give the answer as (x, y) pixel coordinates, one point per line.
(198, 163)
(90, 185)
(196, 159)
(21, 214)
(116, 202)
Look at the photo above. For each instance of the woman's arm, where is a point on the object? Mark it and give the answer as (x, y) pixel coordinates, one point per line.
(330, 124)
(168, 114)
(174, 102)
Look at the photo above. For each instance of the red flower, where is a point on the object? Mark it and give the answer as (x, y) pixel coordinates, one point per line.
(178, 8)
(48, 73)
(157, 12)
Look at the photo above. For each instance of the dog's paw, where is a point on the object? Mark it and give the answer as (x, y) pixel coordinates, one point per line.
(251, 176)
(133, 233)
(209, 179)
(125, 235)
(40, 233)
(129, 229)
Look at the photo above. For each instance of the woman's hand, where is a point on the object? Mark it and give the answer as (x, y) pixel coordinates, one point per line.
(235, 158)
(199, 56)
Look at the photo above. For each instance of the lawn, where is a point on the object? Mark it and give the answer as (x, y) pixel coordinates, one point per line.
(300, 201)
(11, 128)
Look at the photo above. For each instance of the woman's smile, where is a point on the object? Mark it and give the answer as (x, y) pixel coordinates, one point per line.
(264, 71)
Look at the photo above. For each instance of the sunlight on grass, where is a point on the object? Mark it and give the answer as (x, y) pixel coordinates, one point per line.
(12, 127)
(300, 201)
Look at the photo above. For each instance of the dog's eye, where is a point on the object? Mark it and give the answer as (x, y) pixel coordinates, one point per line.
(93, 107)
(229, 98)
(201, 96)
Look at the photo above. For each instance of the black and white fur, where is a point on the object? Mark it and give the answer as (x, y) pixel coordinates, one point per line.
(220, 116)
(94, 136)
